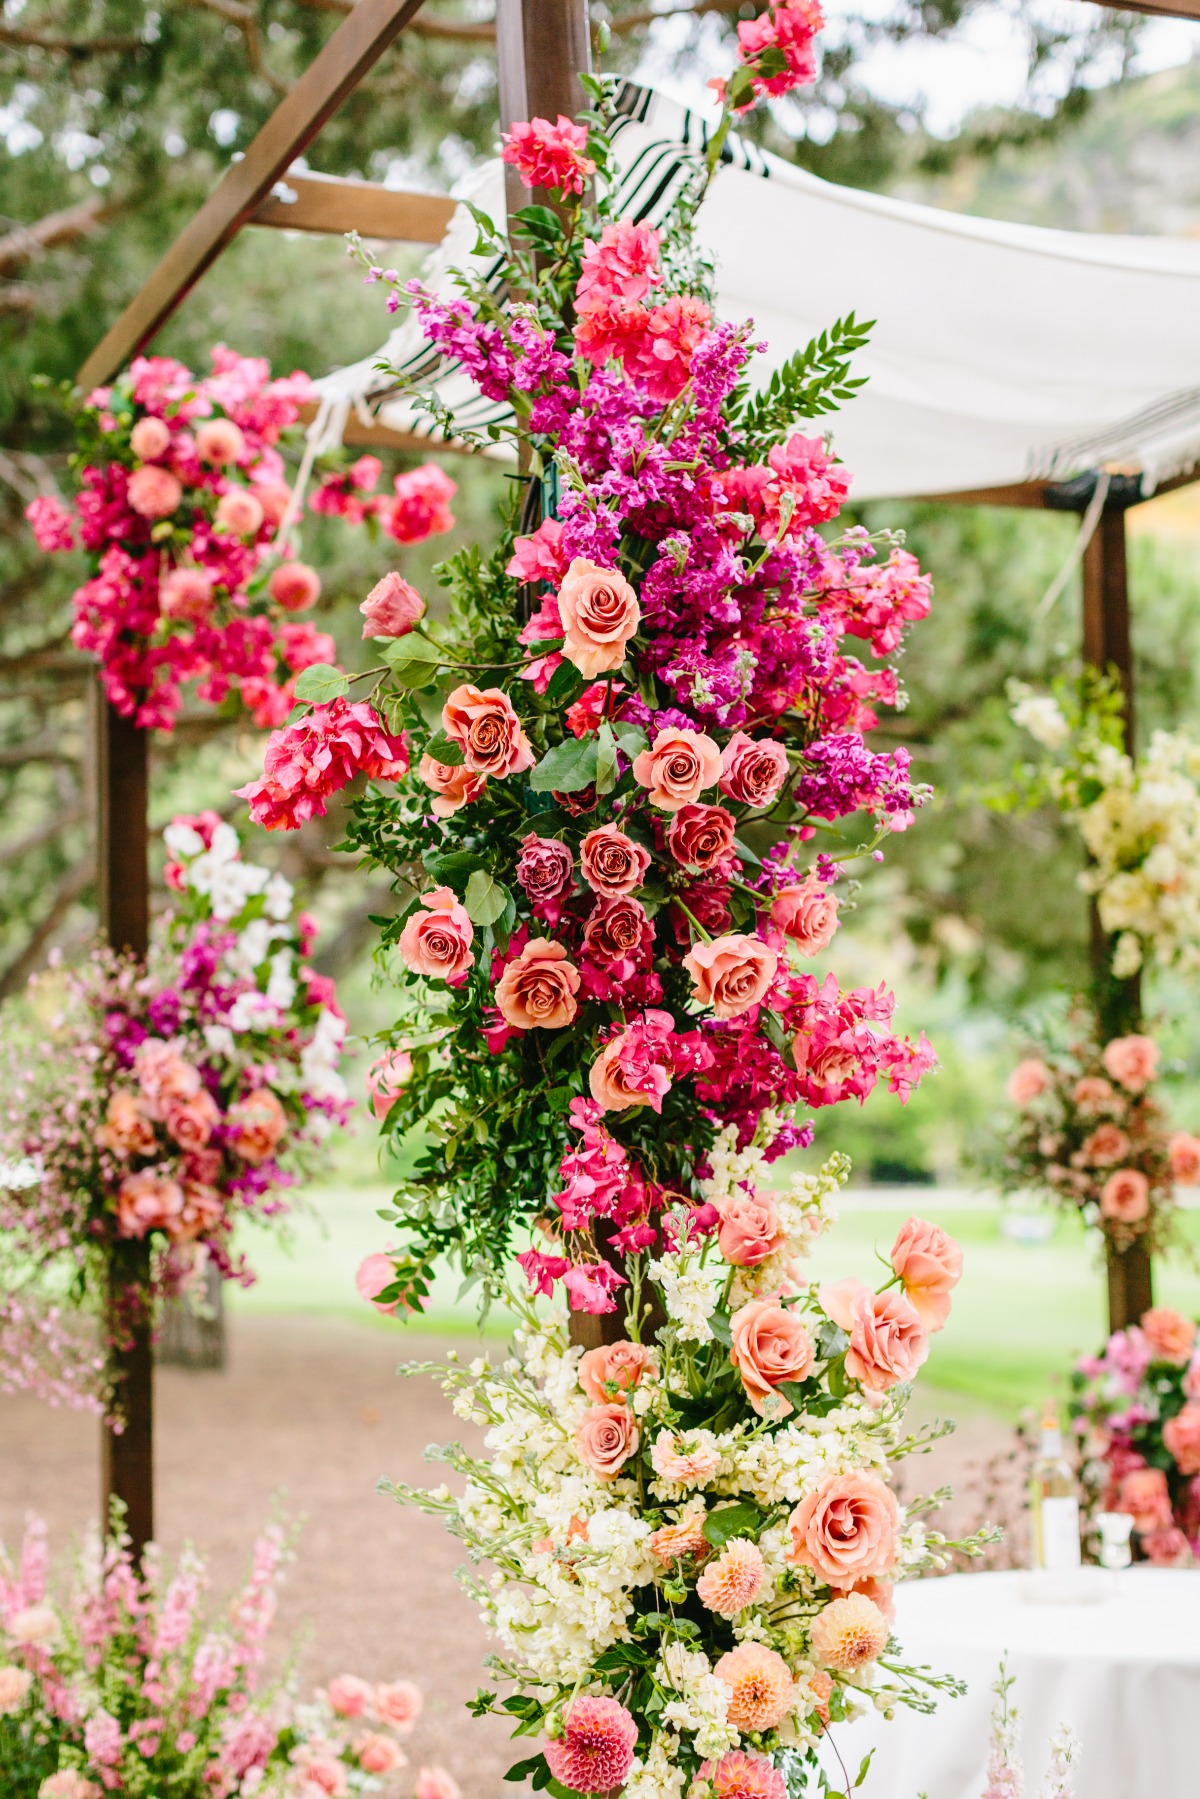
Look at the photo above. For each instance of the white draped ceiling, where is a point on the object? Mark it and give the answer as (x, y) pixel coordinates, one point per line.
(1000, 353)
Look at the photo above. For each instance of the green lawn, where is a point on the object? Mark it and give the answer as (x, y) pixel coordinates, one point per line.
(1021, 1312)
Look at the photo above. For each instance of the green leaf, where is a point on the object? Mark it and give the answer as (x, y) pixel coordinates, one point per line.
(564, 684)
(454, 867)
(485, 898)
(606, 759)
(831, 1340)
(566, 768)
(631, 741)
(522, 1770)
(321, 683)
(412, 659)
(745, 1519)
(718, 1324)
(443, 749)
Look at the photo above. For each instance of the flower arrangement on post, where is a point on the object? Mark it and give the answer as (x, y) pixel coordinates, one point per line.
(159, 1104)
(1136, 1411)
(112, 1680)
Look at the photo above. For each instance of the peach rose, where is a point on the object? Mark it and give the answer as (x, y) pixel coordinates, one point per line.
(1183, 1154)
(701, 836)
(392, 608)
(753, 771)
(731, 973)
(607, 1082)
(163, 1075)
(1191, 1377)
(611, 863)
(1170, 1335)
(607, 1373)
(487, 731)
(149, 439)
(849, 1632)
(323, 1773)
(454, 783)
(258, 1124)
(887, 1340)
(387, 1077)
(147, 1202)
(1181, 1435)
(240, 512)
(67, 1784)
(769, 1345)
(203, 1210)
(126, 1130)
(677, 767)
(808, 915)
(436, 941)
(606, 1436)
(847, 1529)
(14, 1687)
(1027, 1080)
(1132, 1060)
(929, 1264)
(1143, 1495)
(379, 1754)
(186, 593)
(616, 930)
(154, 492)
(219, 441)
(348, 1696)
(600, 613)
(538, 989)
(1091, 1094)
(1106, 1145)
(750, 1229)
(294, 586)
(193, 1121)
(1125, 1196)
(399, 1703)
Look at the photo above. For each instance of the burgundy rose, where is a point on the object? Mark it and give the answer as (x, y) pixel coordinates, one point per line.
(753, 771)
(544, 868)
(618, 930)
(612, 863)
(701, 836)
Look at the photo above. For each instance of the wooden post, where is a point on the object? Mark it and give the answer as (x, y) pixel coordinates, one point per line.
(1107, 647)
(542, 48)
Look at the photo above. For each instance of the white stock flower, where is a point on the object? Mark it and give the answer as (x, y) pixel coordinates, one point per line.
(281, 982)
(22, 1174)
(658, 1776)
(1039, 714)
(183, 841)
(253, 1011)
(689, 1295)
(278, 895)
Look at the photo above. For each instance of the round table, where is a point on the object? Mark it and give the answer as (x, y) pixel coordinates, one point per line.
(1115, 1656)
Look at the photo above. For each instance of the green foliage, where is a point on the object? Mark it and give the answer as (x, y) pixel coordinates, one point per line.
(812, 381)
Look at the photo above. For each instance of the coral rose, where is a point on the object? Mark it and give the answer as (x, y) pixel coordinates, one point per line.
(1143, 1494)
(1170, 1335)
(734, 1580)
(701, 836)
(538, 989)
(240, 512)
(186, 593)
(545, 868)
(618, 930)
(849, 1632)
(595, 1751)
(1183, 1154)
(887, 1340)
(14, 1688)
(1106, 1145)
(126, 1130)
(606, 1436)
(154, 492)
(929, 1264)
(1132, 1060)
(1125, 1196)
(147, 1202)
(436, 941)
(611, 863)
(1181, 1435)
(847, 1529)
(486, 730)
(731, 973)
(392, 608)
(1027, 1080)
(761, 1689)
(219, 441)
(294, 586)
(600, 613)
(753, 771)
(149, 439)
(607, 1373)
(193, 1121)
(1091, 1094)
(379, 1754)
(257, 1124)
(750, 1229)
(677, 767)
(454, 784)
(348, 1696)
(807, 915)
(769, 1345)
(399, 1703)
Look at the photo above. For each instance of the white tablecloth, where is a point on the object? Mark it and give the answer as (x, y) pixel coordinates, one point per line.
(1124, 1673)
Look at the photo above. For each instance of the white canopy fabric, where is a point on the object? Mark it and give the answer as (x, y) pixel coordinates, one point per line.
(1001, 353)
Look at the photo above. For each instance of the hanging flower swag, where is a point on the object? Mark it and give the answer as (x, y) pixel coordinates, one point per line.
(159, 1104)
(185, 511)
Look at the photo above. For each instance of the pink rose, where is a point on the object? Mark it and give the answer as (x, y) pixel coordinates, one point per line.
(240, 512)
(324, 1774)
(1191, 1382)
(606, 1436)
(1143, 1494)
(701, 836)
(487, 730)
(147, 1202)
(294, 586)
(455, 785)
(607, 1373)
(929, 1264)
(379, 1754)
(753, 771)
(219, 441)
(612, 863)
(731, 973)
(538, 989)
(374, 1275)
(1106, 1145)
(436, 1783)
(618, 930)
(436, 941)
(1183, 1153)
(677, 767)
(67, 1784)
(186, 593)
(274, 498)
(847, 1529)
(348, 1696)
(887, 1341)
(387, 1077)
(600, 613)
(154, 492)
(1132, 1060)
(392, 608)
(193, 1121)
(1181, 1435)
(1091, 1094)
(1168, 1548)
(257, 1123)
(1027, 1080)
(399, 1703)
(750, 1229)
(545, 868)
(769, 1346)
(1125, 1196)
(1170, 1335)
(149, 439)
(808, 914)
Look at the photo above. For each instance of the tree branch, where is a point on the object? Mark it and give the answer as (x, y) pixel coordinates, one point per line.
(246, 21)
(33, 840)
(71, 887)
(26, 241)
(483, 31)
(78, 47)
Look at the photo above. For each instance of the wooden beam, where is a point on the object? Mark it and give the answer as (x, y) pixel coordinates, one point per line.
(1106, 636)
(325, 203)
(1038, 493)
(1167, 9)
(357, 44)
(381, 437)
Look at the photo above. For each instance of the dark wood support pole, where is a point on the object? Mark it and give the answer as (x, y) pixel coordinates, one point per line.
(1107, 647)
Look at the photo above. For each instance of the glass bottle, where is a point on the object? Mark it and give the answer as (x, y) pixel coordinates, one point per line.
(1053, 1501)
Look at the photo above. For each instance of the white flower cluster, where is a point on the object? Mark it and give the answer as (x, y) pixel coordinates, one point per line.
(1040, 715)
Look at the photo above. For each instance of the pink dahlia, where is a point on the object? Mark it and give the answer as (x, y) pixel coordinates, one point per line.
(595, 1750)
(739, 1776)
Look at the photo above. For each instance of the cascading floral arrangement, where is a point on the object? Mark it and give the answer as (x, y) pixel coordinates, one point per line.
(160, 1103)
(183, 509)
(113, 1681)
(1136, 1413)
(1088, 1131)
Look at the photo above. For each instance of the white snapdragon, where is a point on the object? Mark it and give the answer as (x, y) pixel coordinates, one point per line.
(278, 895)
(320, 1055)
(689, 1295)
